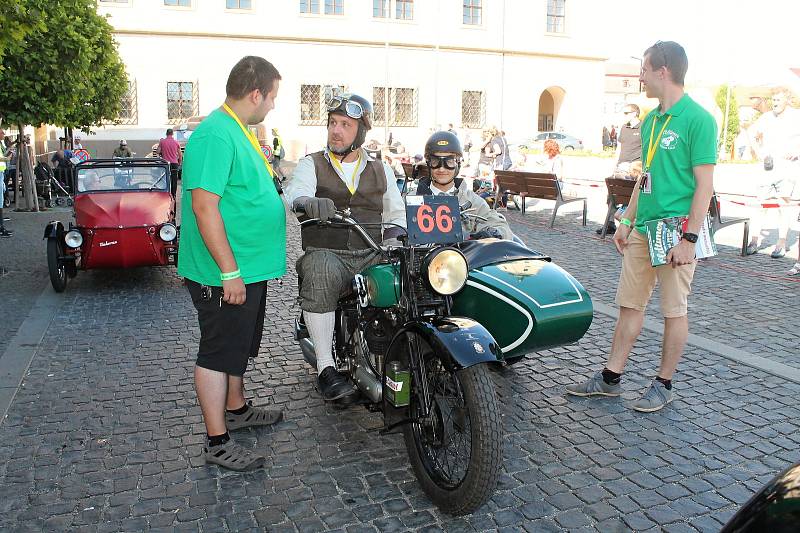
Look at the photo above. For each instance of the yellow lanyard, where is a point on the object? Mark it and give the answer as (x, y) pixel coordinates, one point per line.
(250, 137)
(651, 148)
(352, 185)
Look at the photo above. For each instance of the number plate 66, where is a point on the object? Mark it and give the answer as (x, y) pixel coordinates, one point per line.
(433, 219)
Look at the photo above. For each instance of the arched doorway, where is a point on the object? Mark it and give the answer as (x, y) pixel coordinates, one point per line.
(549, 105)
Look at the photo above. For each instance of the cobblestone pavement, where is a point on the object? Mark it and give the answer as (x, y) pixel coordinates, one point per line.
(105, 433)
(23, 267)
(744, 302)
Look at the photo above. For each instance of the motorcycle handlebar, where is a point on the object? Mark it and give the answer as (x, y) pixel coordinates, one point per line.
(342, 217)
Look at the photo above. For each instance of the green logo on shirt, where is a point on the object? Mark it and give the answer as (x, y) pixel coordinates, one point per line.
(669, 141)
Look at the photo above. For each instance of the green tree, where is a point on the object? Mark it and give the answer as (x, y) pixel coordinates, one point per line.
(728, 131)
(60, 66)
(66, 72)
(16, 22)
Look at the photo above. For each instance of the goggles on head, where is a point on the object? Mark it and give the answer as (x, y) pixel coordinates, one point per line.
(351, 108)
(448, 161)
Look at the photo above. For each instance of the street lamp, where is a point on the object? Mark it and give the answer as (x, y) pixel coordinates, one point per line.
(641, 64)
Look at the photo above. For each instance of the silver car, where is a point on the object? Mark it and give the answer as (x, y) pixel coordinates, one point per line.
(565, 141)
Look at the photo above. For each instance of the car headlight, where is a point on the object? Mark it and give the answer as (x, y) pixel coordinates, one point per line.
(73, 238)
(168, 232)
(446, 269)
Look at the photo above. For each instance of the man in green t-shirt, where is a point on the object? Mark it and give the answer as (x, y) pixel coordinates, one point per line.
(679, 153)
(233, 239)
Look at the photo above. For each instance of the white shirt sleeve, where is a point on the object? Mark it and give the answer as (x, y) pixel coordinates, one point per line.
(303, 181)
(394, 209)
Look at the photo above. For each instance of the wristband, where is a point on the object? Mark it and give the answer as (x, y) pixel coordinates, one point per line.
(225, 276)
(626, 222)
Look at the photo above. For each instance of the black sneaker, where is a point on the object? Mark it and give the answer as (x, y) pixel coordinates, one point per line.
(334, 385)
(6, 233)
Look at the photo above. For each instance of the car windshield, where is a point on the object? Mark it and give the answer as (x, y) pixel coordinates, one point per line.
(122, 179)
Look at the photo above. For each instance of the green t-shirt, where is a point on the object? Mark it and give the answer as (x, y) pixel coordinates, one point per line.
(220, 159)
(689, 140)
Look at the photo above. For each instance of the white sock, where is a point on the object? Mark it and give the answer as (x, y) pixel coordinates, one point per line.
(320, 328)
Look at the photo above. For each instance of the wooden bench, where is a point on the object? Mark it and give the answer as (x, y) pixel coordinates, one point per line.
(408, 169)
(620, 191)
(717, 222)
(619, 194)
(535, 185)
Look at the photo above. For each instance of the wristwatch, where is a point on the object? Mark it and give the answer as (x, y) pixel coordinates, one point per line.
(691, 237)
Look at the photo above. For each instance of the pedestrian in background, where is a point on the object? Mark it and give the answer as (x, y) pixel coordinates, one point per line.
(3, 161)
(629, 151)
(278, 153)
(170, 151)
(551, 161)
(233, 239)
(681, 140)
(777, 136)
(122, 151)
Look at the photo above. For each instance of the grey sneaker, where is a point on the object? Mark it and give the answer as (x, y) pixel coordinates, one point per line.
(595, 386)
(656, 397)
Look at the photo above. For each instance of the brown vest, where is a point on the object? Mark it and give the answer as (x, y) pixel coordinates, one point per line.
(366, 205)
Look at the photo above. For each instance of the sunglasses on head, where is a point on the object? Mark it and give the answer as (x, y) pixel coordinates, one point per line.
(448, 161)
(351, 108)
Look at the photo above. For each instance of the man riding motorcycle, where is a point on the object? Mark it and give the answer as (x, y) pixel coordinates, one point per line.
(443, 157)
(341, 176)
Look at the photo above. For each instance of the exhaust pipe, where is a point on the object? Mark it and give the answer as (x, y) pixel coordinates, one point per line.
(368, 383)
(304, 340)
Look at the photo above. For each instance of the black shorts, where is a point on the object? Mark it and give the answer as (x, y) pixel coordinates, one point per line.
(229, 334)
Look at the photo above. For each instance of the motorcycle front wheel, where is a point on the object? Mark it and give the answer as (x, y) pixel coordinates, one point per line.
(456, 450)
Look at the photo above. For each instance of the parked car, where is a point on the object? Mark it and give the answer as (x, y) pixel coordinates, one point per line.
(565, 141)
(124, 217)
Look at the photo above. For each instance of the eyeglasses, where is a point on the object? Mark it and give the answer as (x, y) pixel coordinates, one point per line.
(436, 161)
(351, 108)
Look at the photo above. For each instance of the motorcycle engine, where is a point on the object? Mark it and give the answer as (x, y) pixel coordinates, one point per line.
(376, 337)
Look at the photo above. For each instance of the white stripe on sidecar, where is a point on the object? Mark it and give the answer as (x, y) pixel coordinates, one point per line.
(541, 306)
(512, 304)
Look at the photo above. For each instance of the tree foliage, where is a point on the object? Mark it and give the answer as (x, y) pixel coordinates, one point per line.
(66, 72)
(16, 22)
(732, 127)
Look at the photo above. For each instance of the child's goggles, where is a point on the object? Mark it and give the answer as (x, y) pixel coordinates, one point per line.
(435, 161)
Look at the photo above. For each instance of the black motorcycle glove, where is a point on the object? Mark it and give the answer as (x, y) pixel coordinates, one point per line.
(321, 208)
(488, 233)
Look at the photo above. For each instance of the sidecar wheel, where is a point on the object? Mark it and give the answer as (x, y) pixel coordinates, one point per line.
(456, 452)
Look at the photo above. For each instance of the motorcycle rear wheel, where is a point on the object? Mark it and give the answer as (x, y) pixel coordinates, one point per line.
(456, 452)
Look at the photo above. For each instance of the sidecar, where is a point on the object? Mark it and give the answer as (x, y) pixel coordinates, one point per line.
(527, 302)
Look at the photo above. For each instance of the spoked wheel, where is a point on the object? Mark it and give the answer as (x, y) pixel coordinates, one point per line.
(455, 450)
(58, 271)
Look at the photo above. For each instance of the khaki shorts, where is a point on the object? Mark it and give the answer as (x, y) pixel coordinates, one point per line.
(638, 278)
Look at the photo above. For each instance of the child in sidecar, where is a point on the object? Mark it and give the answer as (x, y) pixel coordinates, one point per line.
(443, 158)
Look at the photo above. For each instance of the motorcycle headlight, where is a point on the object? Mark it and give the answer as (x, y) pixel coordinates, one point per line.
(168, 232)
(446, 269)
(73, 238)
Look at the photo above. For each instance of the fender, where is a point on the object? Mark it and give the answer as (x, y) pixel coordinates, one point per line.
(461, 342)
(53, 229)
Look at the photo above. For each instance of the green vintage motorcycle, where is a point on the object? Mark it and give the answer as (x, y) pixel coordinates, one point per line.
(419, 332)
